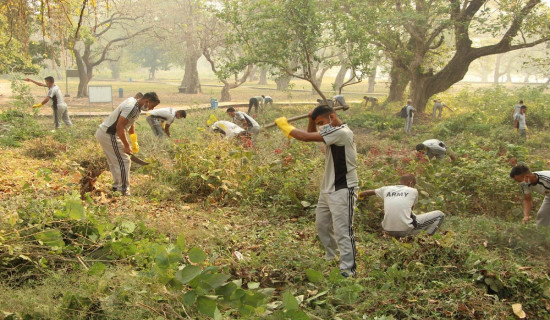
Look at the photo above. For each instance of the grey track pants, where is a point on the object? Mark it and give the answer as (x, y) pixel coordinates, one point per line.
(334, 221)
(61, 113)
(543, 216)
(155, 126)
(428, 222)
(118, 161)
(408, 124)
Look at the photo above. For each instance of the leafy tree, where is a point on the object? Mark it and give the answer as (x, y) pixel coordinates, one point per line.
(152, 58)
(413, 32)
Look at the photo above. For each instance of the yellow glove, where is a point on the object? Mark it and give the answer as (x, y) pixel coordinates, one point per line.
(38, 105)
(135, 145)
(163, 124)
(285, 127)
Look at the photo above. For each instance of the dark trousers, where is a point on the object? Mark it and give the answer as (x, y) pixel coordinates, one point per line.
(253, 102)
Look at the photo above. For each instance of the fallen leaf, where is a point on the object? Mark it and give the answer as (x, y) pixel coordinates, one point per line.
(518, 310)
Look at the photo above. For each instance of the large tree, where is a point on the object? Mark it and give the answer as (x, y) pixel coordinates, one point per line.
(413, 34)
(103, 30)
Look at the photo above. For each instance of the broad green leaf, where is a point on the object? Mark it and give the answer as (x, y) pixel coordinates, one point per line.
(97, 269)
(335, 275)
(296, 315)
(180, 242)
(162, 260)
(127, 227)
(189, 298)
(75, 209)
(289, 302)
(349, 294)
(207, 306)
(51, 238)
(196, 255)
(188, 273)
(227, 290)
(253, 285)
(314, 276)
(216, 280)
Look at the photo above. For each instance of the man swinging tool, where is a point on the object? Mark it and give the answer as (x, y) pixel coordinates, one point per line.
(59, 106)
(336, 204)
(111, 135)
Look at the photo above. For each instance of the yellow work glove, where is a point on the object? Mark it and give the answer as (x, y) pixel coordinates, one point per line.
(38, 105)
(285, 127)
(163, 124)
(135, 145)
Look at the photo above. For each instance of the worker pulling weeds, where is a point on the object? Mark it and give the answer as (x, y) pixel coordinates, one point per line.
(336, 204)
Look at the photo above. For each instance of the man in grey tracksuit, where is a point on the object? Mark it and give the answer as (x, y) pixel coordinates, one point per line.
(59, 106)
(336, 204)
(410, 115)
(111, 135)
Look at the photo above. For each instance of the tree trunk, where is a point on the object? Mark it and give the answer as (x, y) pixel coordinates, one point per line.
(340, 77)
(484, 76)
(152, 72)
(420, 93)
(399, 78)
(263, 77)
(82, 75)
(252, 76)
(226, 95)
(317, 80)
(115, 70)
(508, 77)
(283, 82)
(371, 80)
(191, 81)
(526, 78)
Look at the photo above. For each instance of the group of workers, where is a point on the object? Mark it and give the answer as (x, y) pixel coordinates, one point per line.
(339, 187)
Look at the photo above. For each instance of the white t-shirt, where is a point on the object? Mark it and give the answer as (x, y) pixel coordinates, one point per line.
(398, 204)
(57, 97)
(340, 159)
(229, 129)
(128, 109)
(240, 116)
(542, 186)
(521, 118)
(165, 114)
(517, 107)
(436, 148)
(410, 111)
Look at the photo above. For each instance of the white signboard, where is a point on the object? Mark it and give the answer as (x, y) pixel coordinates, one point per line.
(100, 94)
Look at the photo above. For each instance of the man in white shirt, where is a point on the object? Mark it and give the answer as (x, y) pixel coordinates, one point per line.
(111, 135)
(161, 119)
(434, 149)
(520, 122)
(267, 100)
(243, 119)
(516, 109)
(399, 219)
(336, 204)
(228, 129)
(59, 106)
(410, 115)
(256, 102)
(438, 107)
(539, 182)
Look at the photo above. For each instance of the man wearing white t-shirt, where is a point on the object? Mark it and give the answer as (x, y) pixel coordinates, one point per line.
(399, 219)
(539, 182)
(241, 118)
(59, 106)
(336, 203)
(434, 149)
(410, 116)
(228, 129)
(160, 120)
(111, 135)
(520, 123)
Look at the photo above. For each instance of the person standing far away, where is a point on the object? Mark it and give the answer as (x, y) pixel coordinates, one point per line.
(336, 204)
(111, 135)
(539, 182)
(59, 106)
(410, 115)
(516, 109)
(520, 122)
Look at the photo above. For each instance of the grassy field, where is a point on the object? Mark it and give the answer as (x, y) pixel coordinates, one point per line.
(216, 230)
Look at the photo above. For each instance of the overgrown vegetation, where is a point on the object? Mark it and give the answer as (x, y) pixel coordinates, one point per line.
(217, 230)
